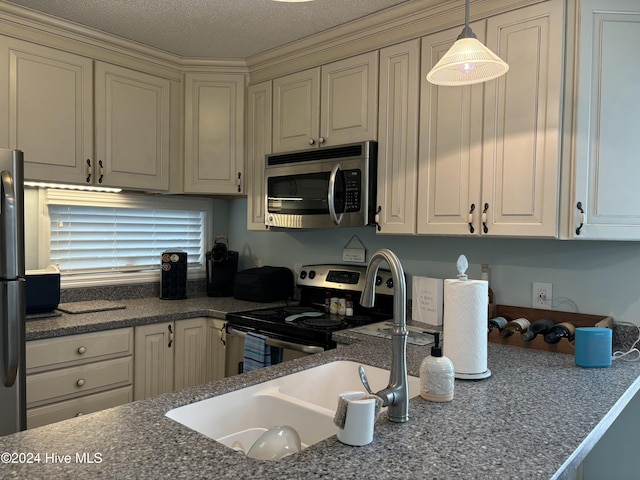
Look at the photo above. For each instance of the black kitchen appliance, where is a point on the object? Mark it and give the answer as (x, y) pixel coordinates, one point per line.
(307, 327)
(264, 284)
(222, 265)
(173, 279)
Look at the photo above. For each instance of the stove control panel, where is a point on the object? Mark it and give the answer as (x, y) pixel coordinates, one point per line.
(343, 277)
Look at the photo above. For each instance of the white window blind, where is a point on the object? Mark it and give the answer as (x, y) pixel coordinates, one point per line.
(123, 232)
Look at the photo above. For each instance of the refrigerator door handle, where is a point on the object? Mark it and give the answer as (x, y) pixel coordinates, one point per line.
(13, 329)
(11, 229)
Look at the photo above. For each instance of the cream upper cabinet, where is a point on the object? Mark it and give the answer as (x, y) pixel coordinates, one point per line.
(47, 99)
(259, 118)
(329, 105)
(489, 153)
(50, 96)
(398, 137)
(214, 133)
(132, 128)
(605, 203)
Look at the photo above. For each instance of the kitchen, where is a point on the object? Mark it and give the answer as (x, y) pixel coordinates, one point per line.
(580, 271)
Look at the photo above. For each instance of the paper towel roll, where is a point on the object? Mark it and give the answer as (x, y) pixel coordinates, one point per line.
(465, 326)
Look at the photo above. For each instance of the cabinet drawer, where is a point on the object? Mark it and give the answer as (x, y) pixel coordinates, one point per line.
(51, 353)
(57, 412)
(75, 381)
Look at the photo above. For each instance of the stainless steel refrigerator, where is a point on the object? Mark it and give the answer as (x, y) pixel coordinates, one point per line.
(13, 416)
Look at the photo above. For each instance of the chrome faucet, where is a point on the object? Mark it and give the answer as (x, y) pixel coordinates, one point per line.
(396, 395)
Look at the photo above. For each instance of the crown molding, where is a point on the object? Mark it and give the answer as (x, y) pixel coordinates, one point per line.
(406, 21)
(27, 24)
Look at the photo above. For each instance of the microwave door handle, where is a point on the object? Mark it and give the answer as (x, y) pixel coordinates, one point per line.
(331, 195)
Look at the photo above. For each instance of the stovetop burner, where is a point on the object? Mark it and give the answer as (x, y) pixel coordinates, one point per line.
(325, 323)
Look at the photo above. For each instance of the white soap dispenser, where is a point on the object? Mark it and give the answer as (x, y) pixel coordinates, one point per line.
(437, 375)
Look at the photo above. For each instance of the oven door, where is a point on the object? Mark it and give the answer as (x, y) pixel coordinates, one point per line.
(235, 349)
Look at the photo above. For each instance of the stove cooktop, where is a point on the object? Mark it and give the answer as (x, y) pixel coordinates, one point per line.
(298, 323)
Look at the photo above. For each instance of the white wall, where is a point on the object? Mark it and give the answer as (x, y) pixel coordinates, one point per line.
(600, 277)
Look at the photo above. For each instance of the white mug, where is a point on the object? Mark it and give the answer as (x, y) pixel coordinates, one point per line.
(360, 419)
(335, 305)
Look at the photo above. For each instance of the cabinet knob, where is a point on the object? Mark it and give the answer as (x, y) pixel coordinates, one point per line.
(80, 382)
(312, 141)
(79, 414)
(82, 350)
(321, 140)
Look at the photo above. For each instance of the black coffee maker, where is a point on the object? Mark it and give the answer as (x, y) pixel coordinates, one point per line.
(222, 265)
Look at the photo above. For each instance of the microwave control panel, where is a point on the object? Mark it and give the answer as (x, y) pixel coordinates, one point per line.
(353, 191)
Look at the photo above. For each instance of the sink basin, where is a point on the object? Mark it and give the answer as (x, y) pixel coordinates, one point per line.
(305, 400)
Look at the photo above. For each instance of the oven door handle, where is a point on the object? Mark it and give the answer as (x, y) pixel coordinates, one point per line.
(274, 342)
(332, 195)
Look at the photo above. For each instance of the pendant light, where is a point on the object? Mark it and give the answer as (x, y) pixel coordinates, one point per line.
(467, 62)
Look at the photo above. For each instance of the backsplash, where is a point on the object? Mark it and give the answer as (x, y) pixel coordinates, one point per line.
(195, 288)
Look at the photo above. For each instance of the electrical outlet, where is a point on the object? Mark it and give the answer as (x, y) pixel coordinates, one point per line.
(542, 295)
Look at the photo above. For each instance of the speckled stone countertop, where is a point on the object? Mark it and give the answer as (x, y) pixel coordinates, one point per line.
(140, 311)
(536, 417)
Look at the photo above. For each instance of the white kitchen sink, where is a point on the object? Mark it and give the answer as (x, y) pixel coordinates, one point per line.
(305, 400)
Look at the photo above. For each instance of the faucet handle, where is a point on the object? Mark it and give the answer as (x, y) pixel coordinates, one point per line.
(363, 378)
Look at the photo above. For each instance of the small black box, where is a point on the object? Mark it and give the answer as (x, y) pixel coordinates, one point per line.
(263, 284)
(173, 279)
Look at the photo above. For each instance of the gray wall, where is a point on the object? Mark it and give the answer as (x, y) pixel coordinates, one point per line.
(588, 276)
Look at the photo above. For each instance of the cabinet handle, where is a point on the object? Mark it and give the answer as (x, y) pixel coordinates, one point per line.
(377, 218)
(170, 335)
(101, 171)
(312, 141)
(485, 229)
(238, 182)
(88, 170)
(80, 382)
(470, 218)
(581, 218)
(82, 350)
(321, 140)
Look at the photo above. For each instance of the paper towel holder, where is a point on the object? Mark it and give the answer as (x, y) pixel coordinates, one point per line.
(473, 376)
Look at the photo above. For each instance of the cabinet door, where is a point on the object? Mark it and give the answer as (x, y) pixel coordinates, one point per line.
(450, 146)
(349, 94)
(398, 137)
(216, 349)
(153, 360)
(296, 114)
(46, 97)
(607, 117)
(214, 133)
(259, 121)
(132, 128)
(190, 353)
(522, 122)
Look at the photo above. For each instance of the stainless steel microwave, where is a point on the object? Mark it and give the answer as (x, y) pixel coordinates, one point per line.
(322, 187)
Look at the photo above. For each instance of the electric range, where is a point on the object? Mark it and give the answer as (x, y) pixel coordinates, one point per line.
(308, 324)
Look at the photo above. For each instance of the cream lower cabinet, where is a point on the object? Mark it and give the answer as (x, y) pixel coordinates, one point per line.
(174, 355)
(214, 133)
(326, 106)
(259, 118)
(604, 201)
(489, 153)
(77, 374)
(48, 98)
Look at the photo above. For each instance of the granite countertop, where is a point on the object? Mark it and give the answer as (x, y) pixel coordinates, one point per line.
(129, 313)
(536, 417)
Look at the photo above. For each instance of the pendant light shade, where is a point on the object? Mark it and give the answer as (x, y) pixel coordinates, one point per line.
(467, 62)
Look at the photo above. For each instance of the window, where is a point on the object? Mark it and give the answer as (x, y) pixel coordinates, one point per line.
(91, 235)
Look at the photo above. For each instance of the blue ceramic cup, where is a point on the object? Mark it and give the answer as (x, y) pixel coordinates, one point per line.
(593, 347)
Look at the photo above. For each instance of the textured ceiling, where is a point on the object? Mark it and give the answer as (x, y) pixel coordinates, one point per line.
(209, 28)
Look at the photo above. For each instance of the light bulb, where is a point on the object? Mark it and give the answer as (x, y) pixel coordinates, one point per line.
(466, 67)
